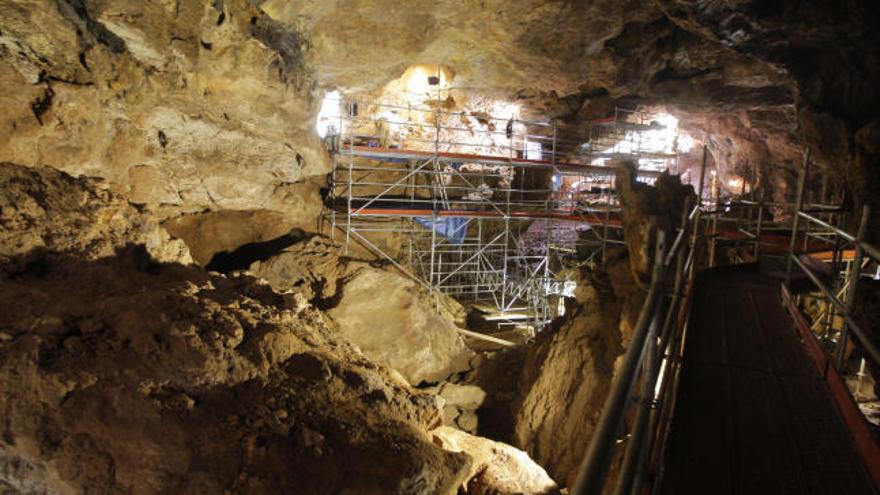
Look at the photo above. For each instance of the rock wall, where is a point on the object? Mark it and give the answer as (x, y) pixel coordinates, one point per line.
(567, 374)
(191, 106)
(183, 106)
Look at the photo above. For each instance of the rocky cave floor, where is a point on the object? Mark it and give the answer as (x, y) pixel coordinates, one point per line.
(125, 368)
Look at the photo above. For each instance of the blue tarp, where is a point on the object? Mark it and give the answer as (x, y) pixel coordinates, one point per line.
(452, 228)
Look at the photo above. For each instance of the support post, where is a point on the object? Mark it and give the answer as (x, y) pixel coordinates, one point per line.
(760, 224)
(713, 236)
(605, 234)
(798, 205)
(853, 278)
(593, 470)
(702, 175)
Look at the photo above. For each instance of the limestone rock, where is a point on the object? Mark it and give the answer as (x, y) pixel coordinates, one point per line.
(171, 380)
(569, 369)
(497, 468)
(646, 210)
(212, 232)
(384, 315)
(44, 210)
(178, 107)
(460, 405)
(388, 316)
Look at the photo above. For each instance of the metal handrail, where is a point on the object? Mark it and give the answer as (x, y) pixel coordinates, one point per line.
(646, 356)
(844, 308)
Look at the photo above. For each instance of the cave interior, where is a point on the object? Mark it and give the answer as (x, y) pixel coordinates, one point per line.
(477, 247)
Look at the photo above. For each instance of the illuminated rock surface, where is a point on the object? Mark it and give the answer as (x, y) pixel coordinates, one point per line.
(119, 373)
(388, 316)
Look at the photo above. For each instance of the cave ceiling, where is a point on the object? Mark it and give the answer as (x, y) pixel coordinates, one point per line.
(192, 106)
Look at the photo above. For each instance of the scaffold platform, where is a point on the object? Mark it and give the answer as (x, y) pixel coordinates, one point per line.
(485, 215)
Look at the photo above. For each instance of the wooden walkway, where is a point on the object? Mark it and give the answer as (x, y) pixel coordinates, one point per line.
(753, 416)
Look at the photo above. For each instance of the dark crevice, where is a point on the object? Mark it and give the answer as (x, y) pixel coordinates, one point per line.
(287, 44)
(42, 103)
(670, 74)
(75, 11)
(245, 255)
(82, 61)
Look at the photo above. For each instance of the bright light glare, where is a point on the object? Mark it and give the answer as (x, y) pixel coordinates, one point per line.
(533, 150)
(664, 137)
(329, 117)
(685, 143)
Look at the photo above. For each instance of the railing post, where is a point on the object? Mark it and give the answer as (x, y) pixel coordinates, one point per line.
(702, 175)
(593, 470)
(802, 180)
(645, 404)
(760, 224)
(350, 193)
(853, 277)
(716, 213)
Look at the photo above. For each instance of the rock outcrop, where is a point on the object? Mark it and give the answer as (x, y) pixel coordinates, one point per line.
(568, 372)
(388, 316)
(182, 106)
(193, 106)
(645, 210)
(123, 376)
(498, 468)
(120, 373)
(45, 211)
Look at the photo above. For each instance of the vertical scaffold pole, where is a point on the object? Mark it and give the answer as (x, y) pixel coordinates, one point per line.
(605, 233)
(760, 224)
(702, 175)
(350, 193)
(799, 201)
(716, 203)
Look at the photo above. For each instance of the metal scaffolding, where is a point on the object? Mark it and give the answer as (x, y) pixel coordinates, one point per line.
(481, 212)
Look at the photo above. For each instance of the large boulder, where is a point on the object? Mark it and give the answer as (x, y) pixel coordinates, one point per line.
(390, 317)
(498, 468)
